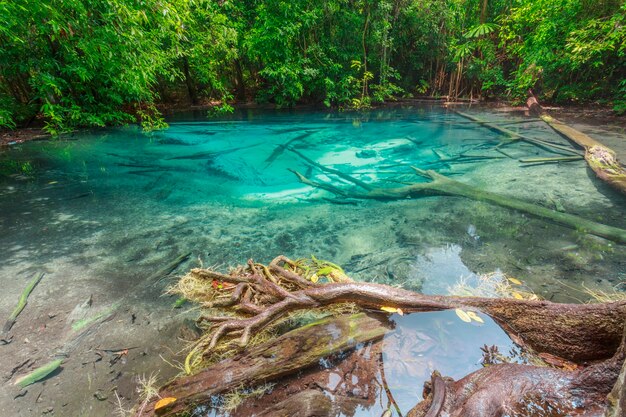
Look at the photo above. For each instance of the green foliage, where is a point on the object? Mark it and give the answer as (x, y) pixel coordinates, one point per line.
(74, 63)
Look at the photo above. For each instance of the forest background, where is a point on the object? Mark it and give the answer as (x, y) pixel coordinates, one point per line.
(78, 63)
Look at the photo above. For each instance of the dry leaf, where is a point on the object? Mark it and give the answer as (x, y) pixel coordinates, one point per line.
(475, 317)
(462, 315)
(390, 309)
(164, 402)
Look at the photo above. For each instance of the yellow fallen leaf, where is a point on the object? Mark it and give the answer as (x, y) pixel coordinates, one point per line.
(515, 281)
(462, 315)
(390, 309)
(314, 278)
(517, 295)
(164, 402)
(339, 276)
(475, 317)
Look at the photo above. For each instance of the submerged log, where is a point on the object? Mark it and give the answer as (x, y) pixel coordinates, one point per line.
(261, 295)
(600, 158)
(289, 353)
(442, 185)
(548, 146)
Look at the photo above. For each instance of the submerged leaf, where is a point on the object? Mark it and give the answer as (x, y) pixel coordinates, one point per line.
(39, 373)
(515, 281)
(517, 295)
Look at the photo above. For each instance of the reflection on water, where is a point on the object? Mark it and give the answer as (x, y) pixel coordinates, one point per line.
(425, 342)
(101, 211)
(388, 374)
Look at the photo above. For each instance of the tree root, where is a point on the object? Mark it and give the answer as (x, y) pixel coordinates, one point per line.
(260, 295)
(576, 332)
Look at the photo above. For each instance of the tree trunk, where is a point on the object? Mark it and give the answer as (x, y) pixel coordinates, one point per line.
(191, 89)
(601, 159)
(287, 354)
(442, 185)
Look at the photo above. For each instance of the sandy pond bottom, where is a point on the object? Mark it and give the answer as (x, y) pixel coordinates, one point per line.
(103, 213)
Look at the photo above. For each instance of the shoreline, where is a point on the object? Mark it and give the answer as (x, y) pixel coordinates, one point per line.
(591, 114)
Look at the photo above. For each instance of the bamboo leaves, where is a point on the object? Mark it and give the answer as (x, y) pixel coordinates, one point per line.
(22, 301)
(38, 374)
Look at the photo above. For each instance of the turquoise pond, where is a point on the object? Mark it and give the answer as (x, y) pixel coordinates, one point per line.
(101, 211)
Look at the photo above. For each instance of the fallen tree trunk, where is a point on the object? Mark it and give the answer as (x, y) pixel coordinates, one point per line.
(442, 185)
(296, 350)
(261, 295)
(576, 332)
(600, 158)
(551, 147)
(522, 390)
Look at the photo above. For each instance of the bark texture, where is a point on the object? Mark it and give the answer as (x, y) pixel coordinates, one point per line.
(600, 158)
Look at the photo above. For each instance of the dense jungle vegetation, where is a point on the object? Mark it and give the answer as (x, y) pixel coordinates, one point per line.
(77, 63)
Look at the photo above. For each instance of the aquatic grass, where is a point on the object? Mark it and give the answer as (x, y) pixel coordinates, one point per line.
(601, 296)
(617, 293)
(492, 285)
(233, 399)
(147, 388)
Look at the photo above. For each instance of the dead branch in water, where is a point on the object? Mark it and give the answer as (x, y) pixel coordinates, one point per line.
(260, 295)
(600, 158)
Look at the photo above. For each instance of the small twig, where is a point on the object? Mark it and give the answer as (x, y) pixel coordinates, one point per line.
(385, 386)
(336, 172)
(555, 159)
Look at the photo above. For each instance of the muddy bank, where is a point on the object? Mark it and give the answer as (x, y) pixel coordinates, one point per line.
(21, 135)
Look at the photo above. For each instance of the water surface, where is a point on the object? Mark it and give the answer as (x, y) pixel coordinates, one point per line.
(102, 211)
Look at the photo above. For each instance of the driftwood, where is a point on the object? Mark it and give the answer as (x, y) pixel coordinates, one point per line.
(294, 351)
(442, 185)
(600, 158)
(260, 295)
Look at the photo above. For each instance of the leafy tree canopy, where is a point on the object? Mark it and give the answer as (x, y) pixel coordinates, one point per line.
(93, 63)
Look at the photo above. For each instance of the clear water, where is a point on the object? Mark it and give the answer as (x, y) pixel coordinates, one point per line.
(102, 211)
